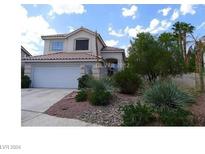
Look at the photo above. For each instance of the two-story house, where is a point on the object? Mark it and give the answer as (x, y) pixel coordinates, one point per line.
(68, 56)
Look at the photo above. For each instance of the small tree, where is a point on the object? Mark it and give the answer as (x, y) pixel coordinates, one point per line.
(144, 55)
(155, 57)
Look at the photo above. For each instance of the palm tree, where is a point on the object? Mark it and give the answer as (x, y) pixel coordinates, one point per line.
(167, 40)
(181, 32)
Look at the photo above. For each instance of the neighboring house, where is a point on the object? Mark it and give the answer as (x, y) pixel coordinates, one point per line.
(24, 54)
(68, 56)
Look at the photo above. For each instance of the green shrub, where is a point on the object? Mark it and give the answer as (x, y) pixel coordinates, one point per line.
(166, 94)
(98, 94)
(127, 81)
(108, 84)
(83, 81)
(99, 97)
(137, 115)
(96, 84)
(175, 117)
(25, 81)
(81, 96)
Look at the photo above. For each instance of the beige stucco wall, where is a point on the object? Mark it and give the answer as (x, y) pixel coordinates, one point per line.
(69, 43)
(115, 55)
(100, 46)
(27, 69)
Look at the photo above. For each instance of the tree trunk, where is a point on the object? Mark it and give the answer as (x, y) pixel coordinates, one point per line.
(180, 44)
(199, 68)
(186, 56)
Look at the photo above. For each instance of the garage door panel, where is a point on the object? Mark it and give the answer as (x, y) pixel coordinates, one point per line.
(56, 77)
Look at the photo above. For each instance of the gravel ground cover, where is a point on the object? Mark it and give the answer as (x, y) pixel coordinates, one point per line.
(109, 115)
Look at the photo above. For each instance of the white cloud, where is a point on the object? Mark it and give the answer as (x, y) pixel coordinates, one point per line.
(132, 32)
(154, 27)
(202, 25)
(113, 32)
(33, 27)
(59, 8)
(183, 10)
(164, 25)
(153, 23)
(187, 9)
(111, 42)
(165, 11)
(130, 12)
(175, 15)
(71, 29)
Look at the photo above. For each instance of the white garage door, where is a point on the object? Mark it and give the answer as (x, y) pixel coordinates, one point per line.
(55, 77)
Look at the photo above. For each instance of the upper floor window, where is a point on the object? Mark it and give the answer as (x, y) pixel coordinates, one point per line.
(57, 46)
(81, 44)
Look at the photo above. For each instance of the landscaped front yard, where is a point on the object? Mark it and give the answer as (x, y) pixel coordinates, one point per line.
(119, 111)
(109, 115)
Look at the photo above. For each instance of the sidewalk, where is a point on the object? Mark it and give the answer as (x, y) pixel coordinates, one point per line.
(47, 120)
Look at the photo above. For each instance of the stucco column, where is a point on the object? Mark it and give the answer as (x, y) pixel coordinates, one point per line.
(96, 72)
(120, 64)
(82, 70)
(27, 69)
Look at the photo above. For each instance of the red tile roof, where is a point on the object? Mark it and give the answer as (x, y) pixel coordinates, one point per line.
(63, 56)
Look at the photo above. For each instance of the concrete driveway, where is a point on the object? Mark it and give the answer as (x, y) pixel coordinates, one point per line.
(36, 101)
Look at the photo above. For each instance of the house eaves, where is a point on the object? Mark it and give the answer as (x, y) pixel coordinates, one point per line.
(64, 36)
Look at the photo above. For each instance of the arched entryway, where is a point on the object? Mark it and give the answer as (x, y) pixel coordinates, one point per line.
(112, 66)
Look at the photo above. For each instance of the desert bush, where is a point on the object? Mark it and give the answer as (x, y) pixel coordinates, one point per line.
(25, 81)
(98, 94)
(98, 91)
(81, 96)
(96, 84)
(167, 94)
(127, 81)
(83, 81)
(108, 84)
(137, 115)
(175, 117)
(99, 97)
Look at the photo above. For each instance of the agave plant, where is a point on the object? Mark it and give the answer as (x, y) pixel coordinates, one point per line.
(167, 94)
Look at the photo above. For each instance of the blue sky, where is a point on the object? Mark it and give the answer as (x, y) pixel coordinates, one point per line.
(117, 24)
